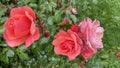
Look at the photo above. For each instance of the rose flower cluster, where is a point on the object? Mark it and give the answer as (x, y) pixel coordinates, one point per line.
(83, 39)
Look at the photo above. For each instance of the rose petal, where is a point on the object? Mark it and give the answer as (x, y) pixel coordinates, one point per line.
(57, 50)
(58, 41)
(30, 11)
(21, 28)
(21, 11)
(14, 42)
(32, 38)
(9, 24)
(100, 31)
(10, 34)
(61, 33)
(17, 11)
(77, 46)
(87, 52)
(71, 57)
(97, 43)
(96, 23)
(88, 20)
(32, 28)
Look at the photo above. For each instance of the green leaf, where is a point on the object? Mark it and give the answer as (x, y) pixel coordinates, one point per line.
(95, 1)
(3, 19)
(2, 11)
(73, 17)
(32, 1)
(21, 48)
(1, 29)
(23, 56)
(2, 44)
(53, 4)
(44, 40)
(21, 53)
(10, 53)
(105, 56)
(33, 5)
(49, 8)
(50, 20)
(4, 58)
(75, 65)
(104, 63)
(57, 16)
(4, 50)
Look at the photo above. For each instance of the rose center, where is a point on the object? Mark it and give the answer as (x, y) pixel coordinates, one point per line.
(67, 46)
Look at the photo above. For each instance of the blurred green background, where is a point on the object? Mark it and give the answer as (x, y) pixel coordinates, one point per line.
(50, 13)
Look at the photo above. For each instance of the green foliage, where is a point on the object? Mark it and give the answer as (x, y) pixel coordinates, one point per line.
(41, 53)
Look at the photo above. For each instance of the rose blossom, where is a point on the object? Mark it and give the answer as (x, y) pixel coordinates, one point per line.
(20, 27)
(92, 34)
(68, 44)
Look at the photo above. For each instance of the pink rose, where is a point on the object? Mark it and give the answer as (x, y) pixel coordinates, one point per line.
(68, 44)
(20, 27)
(92, 34)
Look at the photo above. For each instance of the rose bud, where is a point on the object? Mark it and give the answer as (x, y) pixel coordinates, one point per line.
(65, 21)
(46, 34)
(74, 27)
(74, 11)
(118, 55)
